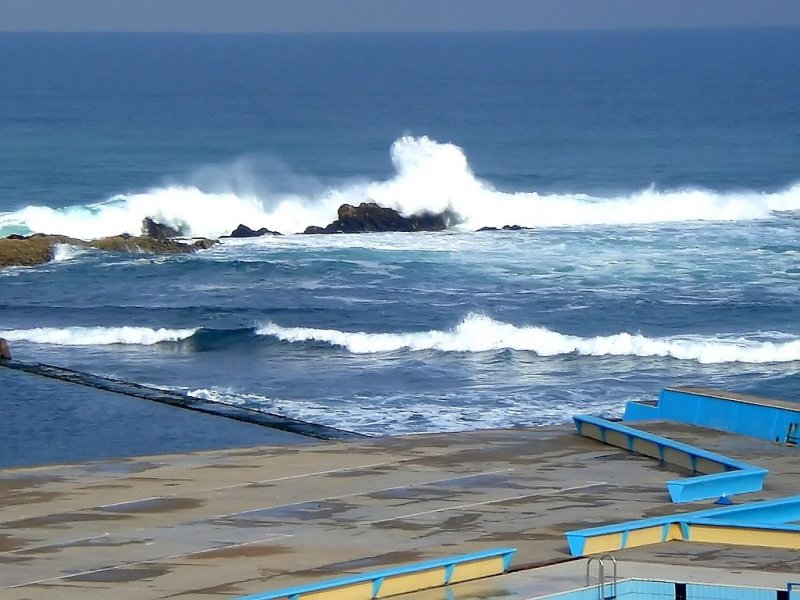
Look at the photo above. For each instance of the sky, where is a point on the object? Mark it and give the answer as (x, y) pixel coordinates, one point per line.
(389, 15)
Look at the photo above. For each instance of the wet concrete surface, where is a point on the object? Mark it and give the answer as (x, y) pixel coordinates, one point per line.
(232, 522)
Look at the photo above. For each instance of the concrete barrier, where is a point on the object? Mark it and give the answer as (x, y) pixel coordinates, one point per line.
(719, 475)
(754, 416)
(399, 580)
(765, 524)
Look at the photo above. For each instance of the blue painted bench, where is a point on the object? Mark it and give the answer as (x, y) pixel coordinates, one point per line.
(400, 580)
(721, 476)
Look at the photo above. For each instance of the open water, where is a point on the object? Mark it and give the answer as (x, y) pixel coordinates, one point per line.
(658, 172)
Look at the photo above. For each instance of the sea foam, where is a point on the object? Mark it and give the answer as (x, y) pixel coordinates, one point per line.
(97, 336)
(429, 177)
(479, 333)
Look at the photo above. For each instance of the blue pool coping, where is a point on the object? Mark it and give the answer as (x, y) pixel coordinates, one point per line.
(774, 515)
(739, 477)
(377, 577)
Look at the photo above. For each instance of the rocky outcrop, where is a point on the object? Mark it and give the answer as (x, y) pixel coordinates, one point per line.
(5, 353)
(369, 217)
(27, 251)
(504, 228)
(158, 231)
(243, 231)
(145, 244)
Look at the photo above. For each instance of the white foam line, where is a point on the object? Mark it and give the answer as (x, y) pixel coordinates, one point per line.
(364, 493)
(460, 506)
(271, 538)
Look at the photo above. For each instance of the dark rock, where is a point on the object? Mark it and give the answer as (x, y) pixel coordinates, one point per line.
(369, 217)
(15, 236)
(504, 228)
(5, 353)
(204, 244)
(243, 231)
(158, 231)
(315, 229)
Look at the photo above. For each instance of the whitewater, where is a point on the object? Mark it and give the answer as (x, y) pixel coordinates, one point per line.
(476, 333)
(657, 176)
(430, 177)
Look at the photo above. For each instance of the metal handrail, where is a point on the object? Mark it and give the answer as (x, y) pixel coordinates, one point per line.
(601, 587)
(613, 574)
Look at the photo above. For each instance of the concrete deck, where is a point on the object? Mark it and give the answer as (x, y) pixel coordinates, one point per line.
(225, 523)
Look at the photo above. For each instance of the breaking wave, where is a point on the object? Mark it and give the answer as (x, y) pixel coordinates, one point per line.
(64, 252)
(478, 333)
(429, 177)
(97, 336)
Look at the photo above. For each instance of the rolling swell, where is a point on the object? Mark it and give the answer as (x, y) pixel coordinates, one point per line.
(479, 333)
(190, 339)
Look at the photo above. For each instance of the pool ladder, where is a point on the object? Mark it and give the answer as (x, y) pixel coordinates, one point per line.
(601, 565)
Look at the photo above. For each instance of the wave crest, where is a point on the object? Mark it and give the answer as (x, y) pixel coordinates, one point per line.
(429, 177)
(479, 333)
(97, 336)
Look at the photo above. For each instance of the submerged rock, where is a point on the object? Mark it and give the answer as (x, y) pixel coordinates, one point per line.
(243, 231)
(369, 217)
(158, 231)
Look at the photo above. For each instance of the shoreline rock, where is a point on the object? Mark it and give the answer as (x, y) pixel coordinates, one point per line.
(37, 249)
(157, 238)
(368, 217)
(148, 245)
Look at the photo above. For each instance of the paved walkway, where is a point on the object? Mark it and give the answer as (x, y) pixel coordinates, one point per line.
(223, 523)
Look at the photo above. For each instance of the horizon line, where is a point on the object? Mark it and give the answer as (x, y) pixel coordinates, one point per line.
(400, 31)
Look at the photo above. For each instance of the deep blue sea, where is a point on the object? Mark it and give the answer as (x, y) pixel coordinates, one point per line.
(658, 174)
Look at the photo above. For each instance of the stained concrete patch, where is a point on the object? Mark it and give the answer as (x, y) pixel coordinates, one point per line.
(102, 541)
(153, 505)
(10, 543)
(27, 490)
(122, 574)
(60, 519)
(122, 467)
(303, 511)
(246, 551)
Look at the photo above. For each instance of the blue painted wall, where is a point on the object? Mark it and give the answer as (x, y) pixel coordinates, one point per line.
(754, 420)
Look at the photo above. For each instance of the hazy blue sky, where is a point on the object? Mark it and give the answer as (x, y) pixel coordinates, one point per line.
(388, 15)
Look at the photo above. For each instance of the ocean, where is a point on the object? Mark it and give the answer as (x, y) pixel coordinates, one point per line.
(657, 174)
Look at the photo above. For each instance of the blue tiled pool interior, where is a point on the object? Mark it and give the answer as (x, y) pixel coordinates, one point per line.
(637, 589)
